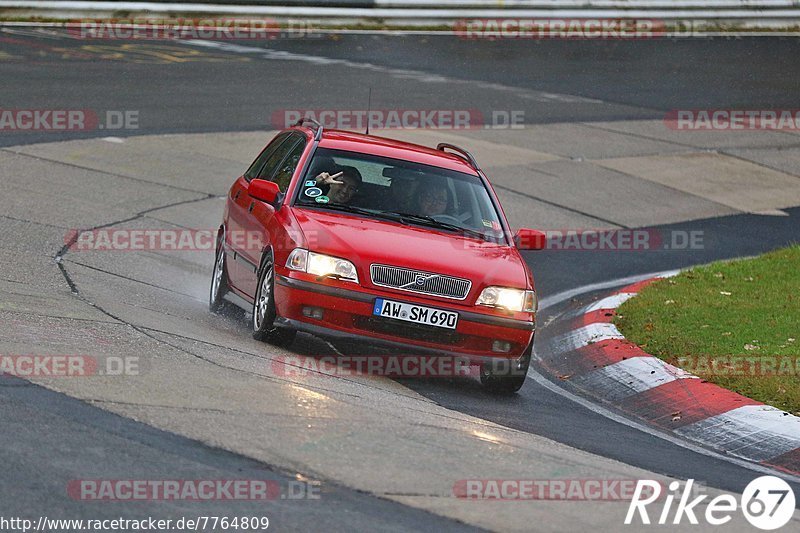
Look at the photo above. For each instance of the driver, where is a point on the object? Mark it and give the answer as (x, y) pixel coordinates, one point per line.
(431, 199)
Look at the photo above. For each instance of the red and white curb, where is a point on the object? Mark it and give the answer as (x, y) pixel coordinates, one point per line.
(596, 358)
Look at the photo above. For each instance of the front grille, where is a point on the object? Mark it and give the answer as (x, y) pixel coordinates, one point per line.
(406, 279)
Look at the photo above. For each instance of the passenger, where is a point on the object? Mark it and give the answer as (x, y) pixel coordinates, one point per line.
(343, 185)
(432, 199)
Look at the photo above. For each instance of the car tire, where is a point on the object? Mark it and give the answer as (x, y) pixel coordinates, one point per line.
(506, 376)
(219, 281)
(264, 312)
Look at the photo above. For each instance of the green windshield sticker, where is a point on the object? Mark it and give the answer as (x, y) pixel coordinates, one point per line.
(322, 199)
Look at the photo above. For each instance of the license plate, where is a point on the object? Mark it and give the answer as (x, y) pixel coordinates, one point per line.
(415, 313)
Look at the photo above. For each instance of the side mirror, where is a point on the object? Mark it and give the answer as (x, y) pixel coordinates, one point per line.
(530, 239)
(264, 190)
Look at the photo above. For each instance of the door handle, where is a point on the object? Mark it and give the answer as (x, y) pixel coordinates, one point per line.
(252, 205)
(236, 196)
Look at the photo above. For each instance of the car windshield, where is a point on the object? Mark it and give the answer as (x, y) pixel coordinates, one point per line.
(403, 191)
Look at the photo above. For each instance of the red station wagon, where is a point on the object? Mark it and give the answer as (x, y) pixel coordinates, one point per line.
(347, 235)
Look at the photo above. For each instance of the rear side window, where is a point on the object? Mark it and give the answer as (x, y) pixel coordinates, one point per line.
(266, 153)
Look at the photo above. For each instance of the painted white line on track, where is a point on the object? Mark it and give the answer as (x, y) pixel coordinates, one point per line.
(609, 302)
(563, 296)
(607, 413)
(583, 336)
(620, 419)
(418, 75)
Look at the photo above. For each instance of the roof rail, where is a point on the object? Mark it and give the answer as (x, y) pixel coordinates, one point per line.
(318, 134)
(463, 154)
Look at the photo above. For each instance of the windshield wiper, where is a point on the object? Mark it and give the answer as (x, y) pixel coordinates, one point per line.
(361, 211)
(404, 218)
(430, 221)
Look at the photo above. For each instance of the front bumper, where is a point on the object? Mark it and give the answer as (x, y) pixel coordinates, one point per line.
(348, 314)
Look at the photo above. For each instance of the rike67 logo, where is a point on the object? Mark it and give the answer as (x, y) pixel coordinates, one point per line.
(767, 503)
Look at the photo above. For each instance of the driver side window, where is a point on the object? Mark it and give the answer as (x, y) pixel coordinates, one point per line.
(258, 164)
(284, 174)
(276, 159)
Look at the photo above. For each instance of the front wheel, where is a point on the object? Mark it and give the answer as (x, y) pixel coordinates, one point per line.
(506, 376)
(264, 312)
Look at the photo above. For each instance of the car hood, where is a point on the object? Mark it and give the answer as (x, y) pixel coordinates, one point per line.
(365, 241)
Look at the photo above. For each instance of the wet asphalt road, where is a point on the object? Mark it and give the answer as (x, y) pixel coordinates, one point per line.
(219, 91)
(180, 87)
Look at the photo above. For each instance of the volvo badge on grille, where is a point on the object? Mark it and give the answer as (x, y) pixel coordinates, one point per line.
(419, 281)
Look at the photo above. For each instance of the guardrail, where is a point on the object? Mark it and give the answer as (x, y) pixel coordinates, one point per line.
(759, 12)
(499, 4)
(584, 4)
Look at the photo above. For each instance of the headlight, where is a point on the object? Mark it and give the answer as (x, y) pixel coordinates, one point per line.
(512, 299)
(321, 265)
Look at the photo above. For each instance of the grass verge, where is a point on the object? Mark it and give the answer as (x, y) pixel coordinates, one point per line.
(736, 324)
